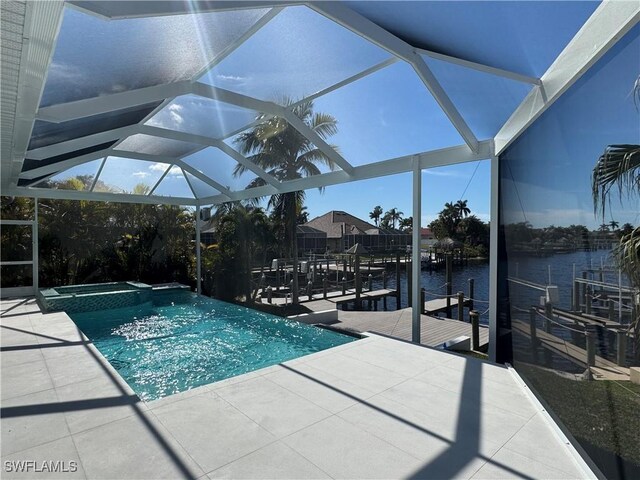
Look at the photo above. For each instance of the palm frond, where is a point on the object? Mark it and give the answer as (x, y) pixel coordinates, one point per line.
(627, 255)
(618, 165)
(324, 125)
(318, 156)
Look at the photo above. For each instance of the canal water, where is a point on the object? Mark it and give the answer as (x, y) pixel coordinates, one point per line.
(551, 270)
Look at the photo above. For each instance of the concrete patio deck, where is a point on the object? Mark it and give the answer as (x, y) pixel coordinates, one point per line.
(375, 408)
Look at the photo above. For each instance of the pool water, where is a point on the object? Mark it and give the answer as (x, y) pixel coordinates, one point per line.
(180, 340)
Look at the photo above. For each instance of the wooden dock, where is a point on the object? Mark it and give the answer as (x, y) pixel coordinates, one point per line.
(440, 305)
(604, 369)
(584, 319)
(434, 331)
(337, 297)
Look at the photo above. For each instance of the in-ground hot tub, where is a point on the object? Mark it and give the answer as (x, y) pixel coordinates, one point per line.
(99, 296)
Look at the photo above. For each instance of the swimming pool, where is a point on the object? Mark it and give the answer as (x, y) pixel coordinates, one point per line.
(179, 340)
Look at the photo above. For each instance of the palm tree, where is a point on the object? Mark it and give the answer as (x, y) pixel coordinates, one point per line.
(619, 166)
(286, 154)
(406, 225)
(604, 227)
(614, 225)
(375, 214)
(462, 209)
(394, 215)
(302, 215)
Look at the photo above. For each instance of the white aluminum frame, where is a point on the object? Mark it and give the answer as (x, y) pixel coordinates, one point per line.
(610, 21)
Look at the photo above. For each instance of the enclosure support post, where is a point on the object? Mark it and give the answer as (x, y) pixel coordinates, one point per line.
(35, 254)
(416, 309)
(493, 262)
(198, 263)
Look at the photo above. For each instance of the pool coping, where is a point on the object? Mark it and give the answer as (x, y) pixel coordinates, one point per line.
(176, 418)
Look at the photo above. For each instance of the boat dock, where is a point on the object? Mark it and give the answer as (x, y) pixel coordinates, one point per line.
(602, 370)
(434, 331)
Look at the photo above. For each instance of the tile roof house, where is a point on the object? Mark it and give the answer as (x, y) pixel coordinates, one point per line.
(345, 230)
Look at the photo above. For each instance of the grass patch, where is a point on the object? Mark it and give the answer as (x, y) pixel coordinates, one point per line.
(603, 413)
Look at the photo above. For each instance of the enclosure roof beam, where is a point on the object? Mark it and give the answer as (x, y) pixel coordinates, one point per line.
(276, 110)
(80, 143)
(180, 163)
(53, 168)
(40, 30)
(518, 77)
(145, 8)
(64, 112)
(610, 22)
(434, 158)
(374, 33)
(103, 196)
(210, 142)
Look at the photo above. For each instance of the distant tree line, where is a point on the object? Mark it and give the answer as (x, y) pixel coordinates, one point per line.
(91, 242)
(392, 219)
(456, 221)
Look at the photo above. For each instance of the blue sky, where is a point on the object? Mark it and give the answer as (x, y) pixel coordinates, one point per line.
(385, 115)
(439, 185)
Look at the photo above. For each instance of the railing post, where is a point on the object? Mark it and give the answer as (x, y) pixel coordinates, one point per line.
(534, 333)
(310, 289)
(449, 276)
(344, 285)
(583, 293)
(548, 312)
(612, 312)
(621, 348)
(409, 281)
(398, 297)
(591, 349)
(370, 282)
(358, 282)
(587, 299)
(461, 306)
(269, 294)
(576, 297)
(474, 317)
(384, 279)
(471, 293)
(325, 286)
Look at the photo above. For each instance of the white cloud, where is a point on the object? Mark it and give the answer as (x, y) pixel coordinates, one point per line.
(175, 113)
(231, 78)
(440, 173)
(158, 167)
(141, 174)
(175, 171)
(65, 72)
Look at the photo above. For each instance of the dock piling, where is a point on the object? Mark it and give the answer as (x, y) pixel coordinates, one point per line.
(621, 348)
(591, 349)
(461, 306)
(474, 318)
(534, 333)
(471, 293)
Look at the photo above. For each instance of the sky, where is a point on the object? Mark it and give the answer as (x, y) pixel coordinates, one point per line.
(387, 114)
